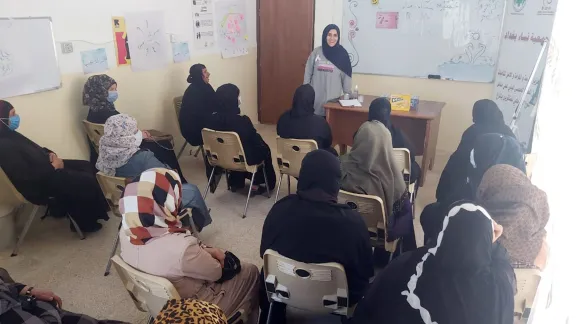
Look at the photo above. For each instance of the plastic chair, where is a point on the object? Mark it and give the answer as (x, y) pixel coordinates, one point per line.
(373, 211)
(177, 107)
(112, 188)
(402, 158)
(290, 153)
(21, 201)
(225, 150)
(94, 132)
(530, 160)
(319, 288)
(527, 281)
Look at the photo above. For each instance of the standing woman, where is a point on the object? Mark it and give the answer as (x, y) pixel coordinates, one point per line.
(328, 69)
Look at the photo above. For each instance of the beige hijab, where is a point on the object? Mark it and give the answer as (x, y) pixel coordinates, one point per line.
(520, 207)
(370, 167)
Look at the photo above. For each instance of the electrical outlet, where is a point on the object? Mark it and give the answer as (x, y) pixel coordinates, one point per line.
(67, 47)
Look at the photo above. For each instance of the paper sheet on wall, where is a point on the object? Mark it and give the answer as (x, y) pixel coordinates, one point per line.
(121, 41)
(180, 52)
(148, 43)
(231, 28)
(203, 19)
(94, 61)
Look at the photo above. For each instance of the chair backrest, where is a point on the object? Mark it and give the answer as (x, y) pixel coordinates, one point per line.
(177, 106)
(94, 132)
(149, 293)
(527, 281)
(373, 211)
(402, 158)
(530, 160)
(320, 288)
(12, 195)
(112, 188)
(291, 152)
(225, 150)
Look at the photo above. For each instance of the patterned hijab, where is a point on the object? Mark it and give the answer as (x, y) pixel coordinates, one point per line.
(118, 143)
(520, 207)
(150, 206)
(95, 94)
(370, 167)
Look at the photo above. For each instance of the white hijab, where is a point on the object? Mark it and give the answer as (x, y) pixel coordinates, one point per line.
(121, 140)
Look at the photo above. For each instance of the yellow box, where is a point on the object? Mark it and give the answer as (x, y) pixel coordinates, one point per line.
(400, 102)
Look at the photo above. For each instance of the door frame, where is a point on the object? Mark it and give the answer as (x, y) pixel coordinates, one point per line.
(258, 49)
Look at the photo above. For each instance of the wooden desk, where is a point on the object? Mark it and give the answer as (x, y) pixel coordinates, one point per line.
(420, 126)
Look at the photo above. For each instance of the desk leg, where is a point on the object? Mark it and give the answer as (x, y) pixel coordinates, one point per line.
(426, 157)
(434, 130)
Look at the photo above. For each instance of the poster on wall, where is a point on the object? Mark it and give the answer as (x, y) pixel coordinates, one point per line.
(527, 29)
(203, 19)
(231, 28)
(180, 52)
(121, 41)
(148, 43)
(94, 61)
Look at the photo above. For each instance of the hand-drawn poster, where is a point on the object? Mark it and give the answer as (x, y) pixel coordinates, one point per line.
(231, 28)
(94, 61)
(203, 19)
(148, 43)
(387, 20)
(121, 41)
(180, 52)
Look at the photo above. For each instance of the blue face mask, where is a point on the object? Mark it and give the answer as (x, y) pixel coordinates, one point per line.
(112, 96)
(13, 122)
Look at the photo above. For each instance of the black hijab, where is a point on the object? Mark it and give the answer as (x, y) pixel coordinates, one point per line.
(5, 108)
(337, 54)
(380, 110)
(227, 95)
(195, 76)
(492, 149)
(303, 101)
(320, 177)
(486, 112)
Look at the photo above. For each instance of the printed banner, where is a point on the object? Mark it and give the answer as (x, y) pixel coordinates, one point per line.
(121, 41)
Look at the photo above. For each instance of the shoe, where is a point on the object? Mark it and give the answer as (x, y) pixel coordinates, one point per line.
(215, 182)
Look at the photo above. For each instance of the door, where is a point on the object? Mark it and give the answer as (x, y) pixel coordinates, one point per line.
(285, 39)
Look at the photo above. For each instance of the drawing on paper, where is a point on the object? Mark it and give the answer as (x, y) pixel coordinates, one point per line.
(353, 29)
(149, 41)
(518, 5)
(490, 9)
(94, 61)
(180, 52)
(6, 63)
(387, 20)
(232, 31)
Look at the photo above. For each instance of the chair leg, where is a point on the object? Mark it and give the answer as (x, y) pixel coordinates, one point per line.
(114, 248)
(266, 179)
(249, 194)
(288, 185)
(198, 151)
(181, 150)
(208, 185)
(25, 229)
(150, 320)
(279, 185)
(77, 228)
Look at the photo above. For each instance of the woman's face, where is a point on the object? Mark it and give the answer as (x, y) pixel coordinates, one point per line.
(113, 87)
(332, 38)
(205, 75)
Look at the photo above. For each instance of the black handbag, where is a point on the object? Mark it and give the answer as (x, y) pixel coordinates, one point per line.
(231, 267)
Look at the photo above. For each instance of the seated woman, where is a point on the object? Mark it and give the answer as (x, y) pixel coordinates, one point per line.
(488, 150)
(43, 178)
(121, 156)
(227, 118)
(310, 226)
(487, 119)
(380, 110)
(370, 169)
(300, 122)
(521, 208)
(155, 238)
(463, 278)
(100, 93)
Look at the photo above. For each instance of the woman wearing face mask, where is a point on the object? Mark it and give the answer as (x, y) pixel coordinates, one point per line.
(227, 118)
(39, 175)
(328, 69)
(100, 93)
(121, 156)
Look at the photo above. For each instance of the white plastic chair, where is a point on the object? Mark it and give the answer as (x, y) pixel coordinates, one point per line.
(402, 158)
(527, 281)
(94, 132)
(319, 288)
(22, 202)
(373, 211)
(225, 150)
(290, 153)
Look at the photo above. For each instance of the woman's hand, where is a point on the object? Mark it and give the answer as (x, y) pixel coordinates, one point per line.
(56, 162)
(43, 295)
(217, 254)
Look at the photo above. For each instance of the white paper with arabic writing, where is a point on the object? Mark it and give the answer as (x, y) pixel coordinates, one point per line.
(203, 19)
(147, 40)
(94, 61)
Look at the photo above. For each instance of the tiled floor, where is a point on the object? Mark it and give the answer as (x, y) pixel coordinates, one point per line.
(53, 257)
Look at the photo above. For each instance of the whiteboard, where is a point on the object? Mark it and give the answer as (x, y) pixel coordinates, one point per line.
(28, 60)
(452, 39)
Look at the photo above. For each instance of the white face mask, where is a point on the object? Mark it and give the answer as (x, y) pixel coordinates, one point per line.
(138, 137)
(239, 101)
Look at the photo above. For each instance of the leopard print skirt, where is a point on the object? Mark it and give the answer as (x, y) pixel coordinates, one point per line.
(190, 311)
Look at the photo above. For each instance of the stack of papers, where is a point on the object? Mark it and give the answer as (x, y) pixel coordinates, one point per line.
(350, 103)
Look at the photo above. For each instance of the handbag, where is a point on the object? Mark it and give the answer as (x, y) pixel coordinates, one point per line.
(231, 267)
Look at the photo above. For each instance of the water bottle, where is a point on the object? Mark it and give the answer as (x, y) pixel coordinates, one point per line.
(355, 94)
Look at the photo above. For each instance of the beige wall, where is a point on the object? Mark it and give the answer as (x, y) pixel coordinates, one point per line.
(53, 118)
